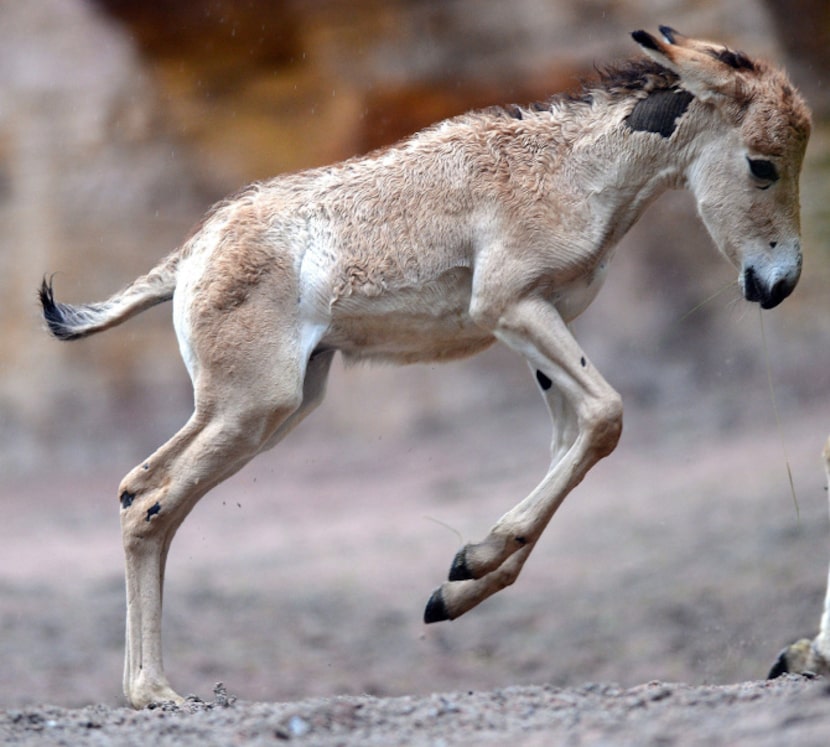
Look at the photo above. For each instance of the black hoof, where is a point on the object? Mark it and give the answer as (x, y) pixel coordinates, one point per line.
(780, 667)
(436, 610)
(459, 570)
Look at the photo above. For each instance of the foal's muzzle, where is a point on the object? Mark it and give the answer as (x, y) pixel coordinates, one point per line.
(767, 294)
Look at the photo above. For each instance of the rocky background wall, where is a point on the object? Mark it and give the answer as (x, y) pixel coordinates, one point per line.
(121, 121)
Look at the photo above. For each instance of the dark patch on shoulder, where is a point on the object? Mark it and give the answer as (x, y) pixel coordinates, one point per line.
(659, 111)
(544, 381)
(127, 499)
(153, 510)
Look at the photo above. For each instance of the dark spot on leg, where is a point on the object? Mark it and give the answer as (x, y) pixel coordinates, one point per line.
(153, 510)
(146, 466)
(520, 540)
(126, 499)
(436, 610)
(583, 361)
(544, 381)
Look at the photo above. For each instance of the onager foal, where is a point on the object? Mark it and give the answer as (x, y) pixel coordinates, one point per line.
(494, 225)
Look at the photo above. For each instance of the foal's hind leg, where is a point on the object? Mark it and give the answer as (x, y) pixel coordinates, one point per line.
(155, 499)
(241, 407)
(314, 389)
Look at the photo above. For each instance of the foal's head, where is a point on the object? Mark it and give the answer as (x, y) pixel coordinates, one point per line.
(745, 162)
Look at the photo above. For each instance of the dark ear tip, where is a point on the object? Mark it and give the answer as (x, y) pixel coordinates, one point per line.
(669, 34)
(644, 39)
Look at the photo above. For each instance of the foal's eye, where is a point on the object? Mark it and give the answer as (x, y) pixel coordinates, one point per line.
(763, 170)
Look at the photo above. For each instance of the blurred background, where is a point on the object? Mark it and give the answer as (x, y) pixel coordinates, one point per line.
(122, 121)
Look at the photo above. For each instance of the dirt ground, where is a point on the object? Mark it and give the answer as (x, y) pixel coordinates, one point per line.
(791, 710)
(300, 585)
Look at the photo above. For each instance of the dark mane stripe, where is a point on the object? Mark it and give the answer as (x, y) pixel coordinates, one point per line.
(639, 74)
(617, 80)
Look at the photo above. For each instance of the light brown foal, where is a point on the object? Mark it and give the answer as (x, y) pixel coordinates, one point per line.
(495, 225)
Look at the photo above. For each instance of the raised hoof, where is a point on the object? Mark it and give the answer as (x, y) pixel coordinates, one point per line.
(459, 570)
(436, 610)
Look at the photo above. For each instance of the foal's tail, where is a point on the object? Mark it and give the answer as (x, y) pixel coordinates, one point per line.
(68, 322)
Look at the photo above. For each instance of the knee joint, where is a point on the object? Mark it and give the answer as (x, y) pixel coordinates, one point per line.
(603, 421)
(142, 508)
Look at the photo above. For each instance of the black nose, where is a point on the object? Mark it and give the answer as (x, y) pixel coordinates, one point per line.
(769, 297)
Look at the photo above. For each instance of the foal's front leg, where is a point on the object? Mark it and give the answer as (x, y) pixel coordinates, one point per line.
(587, 421)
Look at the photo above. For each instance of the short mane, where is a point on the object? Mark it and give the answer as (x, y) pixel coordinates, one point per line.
(616, 81)
(626, 77)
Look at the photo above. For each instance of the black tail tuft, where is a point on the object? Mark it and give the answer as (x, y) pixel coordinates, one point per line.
(55, 313)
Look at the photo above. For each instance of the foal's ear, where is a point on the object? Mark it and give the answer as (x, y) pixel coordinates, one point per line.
(706, 70)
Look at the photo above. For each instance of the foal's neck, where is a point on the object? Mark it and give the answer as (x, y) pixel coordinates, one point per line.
(624, 169)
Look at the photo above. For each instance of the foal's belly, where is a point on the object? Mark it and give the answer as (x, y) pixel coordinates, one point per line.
(430, 322)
